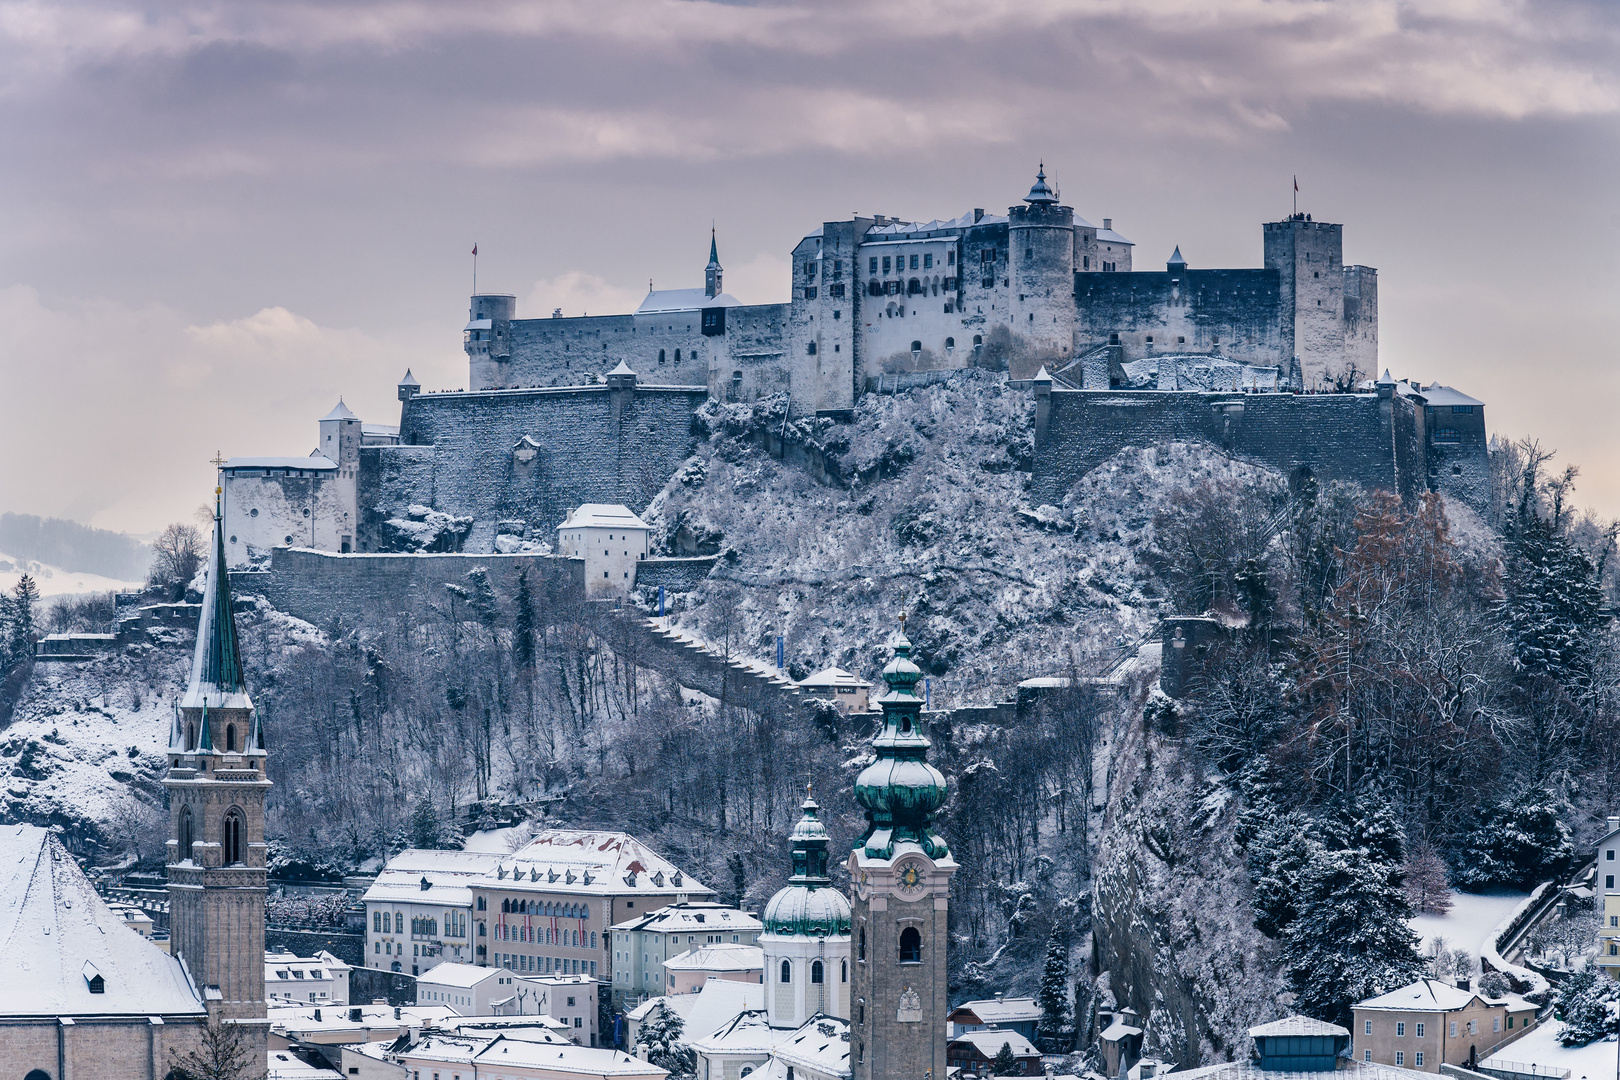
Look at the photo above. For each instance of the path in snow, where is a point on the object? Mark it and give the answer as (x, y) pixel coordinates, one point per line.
(1594, 1061)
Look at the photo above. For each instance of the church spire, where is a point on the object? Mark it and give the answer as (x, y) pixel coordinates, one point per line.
(216, 665)
(900, 790)
(712, 273)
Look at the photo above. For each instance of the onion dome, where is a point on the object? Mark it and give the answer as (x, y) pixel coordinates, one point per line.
(1040, 194)
(900, 790)
(809, 906)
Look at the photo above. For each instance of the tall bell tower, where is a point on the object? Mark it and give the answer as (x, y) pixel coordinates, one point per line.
(217, 787)
(900, 872)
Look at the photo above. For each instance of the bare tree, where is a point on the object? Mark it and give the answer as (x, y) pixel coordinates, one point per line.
(222, 1054)
(177, 554)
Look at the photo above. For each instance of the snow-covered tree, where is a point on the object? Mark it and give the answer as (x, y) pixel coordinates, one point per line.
(1427, 889)
(661, 1035)
(1349, 939)
(1053, 995)
(428, 830)
(1554, 603)
(1585, 1003)
(1005, 1064)
(1278, 856)
(1520, 841)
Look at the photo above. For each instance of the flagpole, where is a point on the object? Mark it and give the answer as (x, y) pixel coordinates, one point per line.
(475, 269)
(1296, 211)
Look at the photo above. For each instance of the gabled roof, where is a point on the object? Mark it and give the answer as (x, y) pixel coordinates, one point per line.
(316, 460)
(57, 935)
(1001, 1010)
(689, 918)
(748, 1032)
(503, 1052)
(1435, 394)
(710, 1009)
(1296, 1025)
(821, 1045)
(989, 1043)
(341, 411)
(216, 664)
(602, 516)
(622, 369)
(834, 676)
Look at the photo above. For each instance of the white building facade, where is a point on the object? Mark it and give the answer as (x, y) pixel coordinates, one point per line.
(611, 539)
(642, 945)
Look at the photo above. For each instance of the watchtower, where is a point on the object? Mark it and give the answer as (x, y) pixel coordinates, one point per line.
(1309, 259)
(1041, 265)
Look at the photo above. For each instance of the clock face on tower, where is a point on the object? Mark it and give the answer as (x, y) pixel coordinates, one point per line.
(911, 879)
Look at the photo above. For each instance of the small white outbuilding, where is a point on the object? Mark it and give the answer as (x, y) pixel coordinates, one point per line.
(611, 539)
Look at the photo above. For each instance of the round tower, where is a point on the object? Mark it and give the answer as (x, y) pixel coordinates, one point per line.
(1040, 242)
(806, 938)
(488, 340)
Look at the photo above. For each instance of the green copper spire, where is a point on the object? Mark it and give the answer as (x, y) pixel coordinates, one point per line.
(900, 790)
(714, 250)
(216, 666)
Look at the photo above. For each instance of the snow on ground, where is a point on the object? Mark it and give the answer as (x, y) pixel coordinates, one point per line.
(1594, 1061)
(1469, 922)
(54, 581)
(499, 841)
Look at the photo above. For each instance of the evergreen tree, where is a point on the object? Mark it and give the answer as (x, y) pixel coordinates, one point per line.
(1349, 939)
(1554, 603)
(19, 612)
(1004, 1064)
(1277, 857)
(1585, 1005)
(661, 1035)
(1053, 996)
(523, 625)
(1520, 841)
(1377, 830)
(430, 831)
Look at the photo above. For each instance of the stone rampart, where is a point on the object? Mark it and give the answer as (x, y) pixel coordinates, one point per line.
(461, 454)
(674, 574)
(1375, 441)
(324, 588)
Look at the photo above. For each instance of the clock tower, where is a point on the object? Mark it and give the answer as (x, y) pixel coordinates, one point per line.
(900, 872)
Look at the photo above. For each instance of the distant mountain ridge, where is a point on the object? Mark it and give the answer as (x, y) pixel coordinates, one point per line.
(72, 546)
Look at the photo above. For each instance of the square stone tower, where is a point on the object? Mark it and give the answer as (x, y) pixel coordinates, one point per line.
(1309, 259)
(216, 849)
(900, 872)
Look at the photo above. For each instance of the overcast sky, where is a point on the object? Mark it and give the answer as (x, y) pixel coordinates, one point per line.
(217, 218)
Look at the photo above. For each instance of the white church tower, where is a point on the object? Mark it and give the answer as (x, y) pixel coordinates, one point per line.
(806, 938)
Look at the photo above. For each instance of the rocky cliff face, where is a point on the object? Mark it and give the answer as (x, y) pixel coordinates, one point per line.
(1173, 934)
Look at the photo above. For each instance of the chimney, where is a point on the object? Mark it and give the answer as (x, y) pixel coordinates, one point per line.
(998, 995)
(1108, 223)
(1463, 982)
(317, 1014)
(354, 1015)
(1614, 823)
(978, 214)
(396, 1012)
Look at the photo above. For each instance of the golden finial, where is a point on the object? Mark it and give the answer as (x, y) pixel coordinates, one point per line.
(219, 459)
(902, 622)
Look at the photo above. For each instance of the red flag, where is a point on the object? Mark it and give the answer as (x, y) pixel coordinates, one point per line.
(1296, 192)
(475, 246)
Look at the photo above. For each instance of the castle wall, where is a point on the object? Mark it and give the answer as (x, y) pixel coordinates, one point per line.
(261, 512)
(1232, 312)
(567, 351)
(1458, 464)
(322, 588)
(1309, 259)
(1358, 437)
(1361, 318)
(597, 444)
(749, 361)
(130, 1047)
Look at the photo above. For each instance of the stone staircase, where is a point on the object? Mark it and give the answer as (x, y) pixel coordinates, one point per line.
(701, 665)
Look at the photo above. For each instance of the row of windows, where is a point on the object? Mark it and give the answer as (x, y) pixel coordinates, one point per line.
(817, 971)
(1473, 1027)
(537, 935)
(914, 287)
(549, 910)
(900, 262)
(230, 832)
(910, 945)
(545, 965)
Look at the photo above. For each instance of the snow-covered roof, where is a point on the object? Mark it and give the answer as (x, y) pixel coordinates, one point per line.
(821, 1045)
(315, 461)
(300, 1021)
(726, 957)
(379, 429)
(748, 1032)
(461, 976)
(602, 516)
(285, 965)
(1296, 1025)
(450, 875)
(1250, 1070)
(1436, 394)
(904, 229)
(699, 917)
(479, 324)
(622, 369)
(833, 677)
(601, 863)
(58, 936)
(409, 379)
(672, 300)
(1425, 995)
(508, 1053)
(340, 411)
(1111, 237)
(286, 1065)
(1001, 1010)
(1118, 1030)
(989, 1043)
(710, 1008)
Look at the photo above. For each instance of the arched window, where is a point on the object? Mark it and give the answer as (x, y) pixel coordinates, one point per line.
(816, 972)
(978, 339)
(550, 909)
(394, 966)
(230, 738)
(787, 971)
(861, 954)
(677, 356)
(875, 288)
(231, 837)
(191, 736)
(660, 356)
(910, 946)
(506, 907)
(399, 922)
(185, 833)
(914, 287)
(950, 343)
(843, 971)
(916, 347)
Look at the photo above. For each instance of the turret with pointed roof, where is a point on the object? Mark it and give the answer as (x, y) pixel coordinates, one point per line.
(217, 787)
(712, 273)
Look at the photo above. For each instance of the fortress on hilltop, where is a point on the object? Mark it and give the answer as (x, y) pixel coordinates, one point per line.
(1276, 364)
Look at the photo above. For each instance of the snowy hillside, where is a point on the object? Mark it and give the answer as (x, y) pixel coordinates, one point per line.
(54, 581)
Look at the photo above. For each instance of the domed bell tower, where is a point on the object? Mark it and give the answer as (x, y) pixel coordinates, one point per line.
(806, 938)
(900, 871)
(216, 849)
